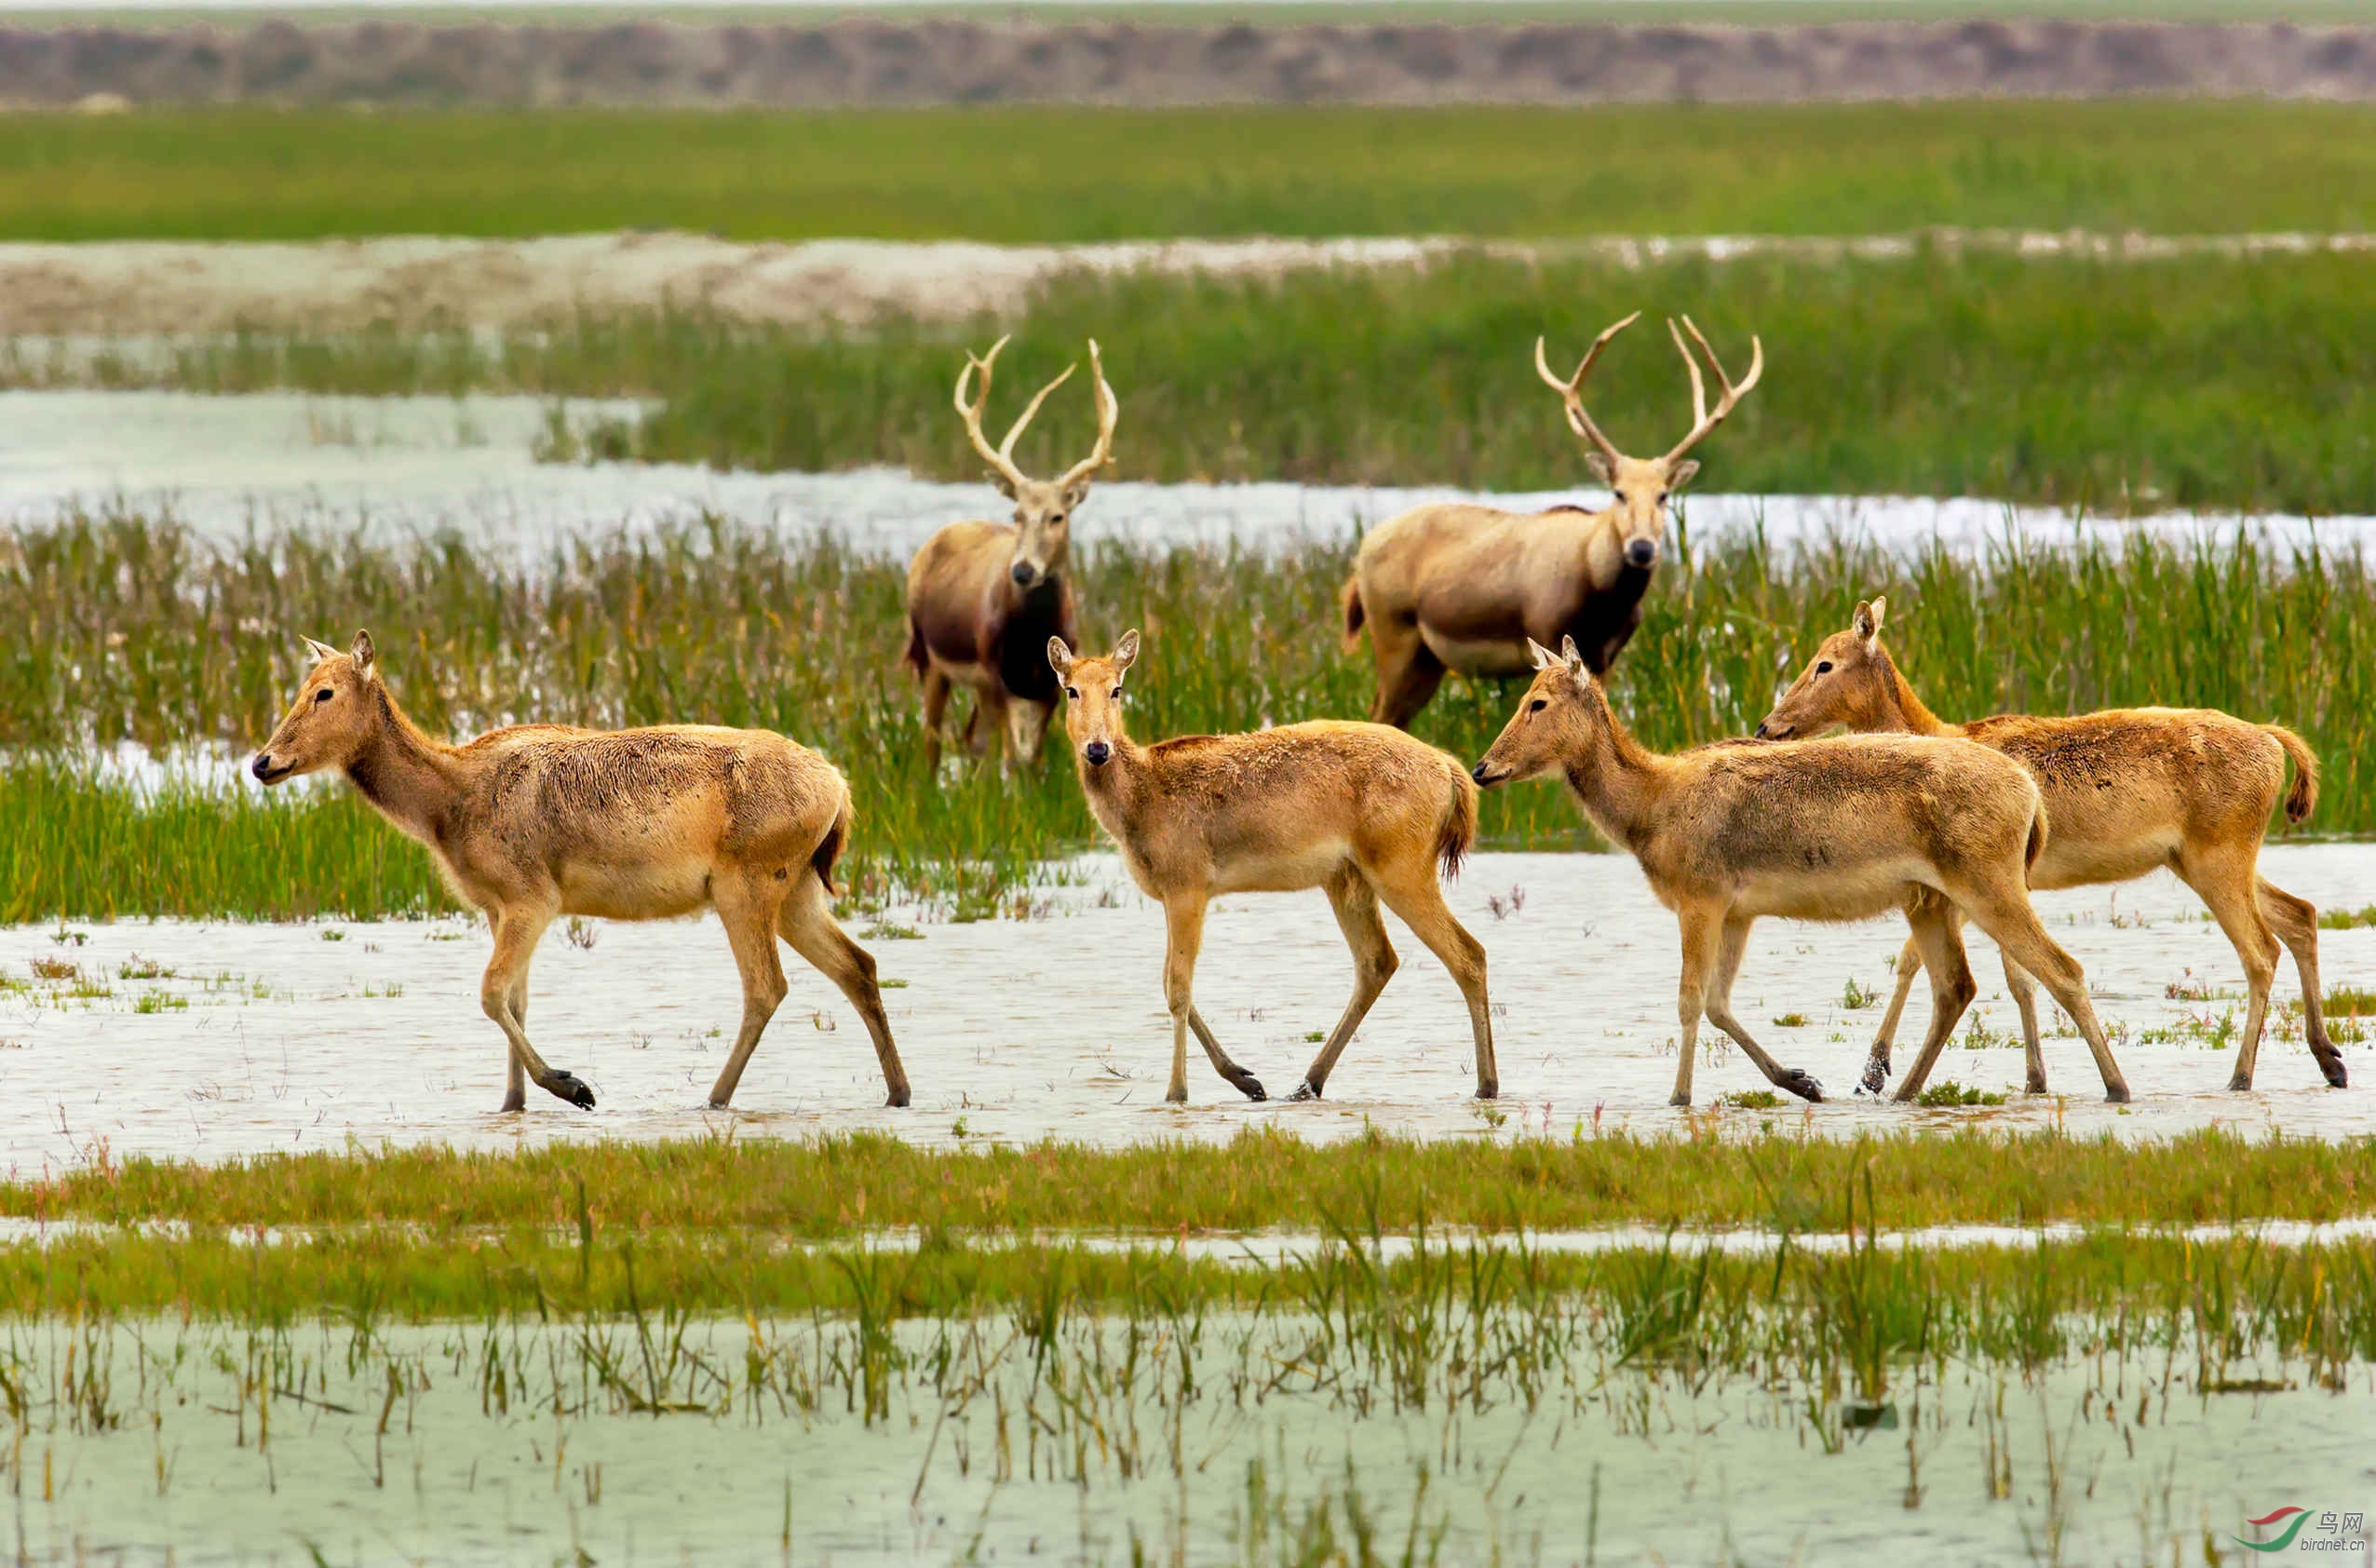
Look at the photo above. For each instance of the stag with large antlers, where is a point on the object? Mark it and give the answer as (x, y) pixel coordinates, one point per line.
(984, 597)
(1457, 585)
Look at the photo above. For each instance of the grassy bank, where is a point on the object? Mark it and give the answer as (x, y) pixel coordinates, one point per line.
(2122, 387)
(1042, 175)
(844, 1188)
(134, 630)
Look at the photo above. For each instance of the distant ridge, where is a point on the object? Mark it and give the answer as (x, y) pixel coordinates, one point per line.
(882, 63)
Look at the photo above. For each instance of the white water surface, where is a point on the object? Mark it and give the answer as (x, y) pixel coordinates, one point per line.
(230, 465)
(270, 1037)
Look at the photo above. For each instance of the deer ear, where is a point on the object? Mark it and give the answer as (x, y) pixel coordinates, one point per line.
(362, 654)
(1544, 657)
(1569, 657)
(1868, 621)
(1125, 652)
(1683, 473)
(1879, 610)
(1075, 493)
(1600, 466)
(1060, 657)
(320, 650)
(1003, 485)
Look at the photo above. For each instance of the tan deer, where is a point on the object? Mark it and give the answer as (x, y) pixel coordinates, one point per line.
(1456, 586)
(1823, 830)
(984, 597)
(535, 821)
(1360, 811)
(2129, 791)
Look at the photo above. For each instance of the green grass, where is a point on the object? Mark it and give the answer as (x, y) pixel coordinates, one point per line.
(1043, 175)
(128, 629)
(842, 1187)
(2125, 387)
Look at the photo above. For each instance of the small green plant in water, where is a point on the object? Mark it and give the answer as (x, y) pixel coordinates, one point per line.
(1947, 1092)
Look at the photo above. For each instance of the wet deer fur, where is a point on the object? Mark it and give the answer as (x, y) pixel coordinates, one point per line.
(1835, 830)
(1455, 586)
(537, 822)
(1365, 813)
(984, 597)
(2129, 791)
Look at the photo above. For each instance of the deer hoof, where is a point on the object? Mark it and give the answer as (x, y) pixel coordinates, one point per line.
(2034, 1086)
(2117, 1094)
(1490, 1090)
(1681, 1102)
(1249, 1085)
(1805, 1087)
(2331, 1064)
(1307, 1089)
(899, 1097)
(2237, 1085)
(1876, 1076)
(572, 1088)
(514, 1100)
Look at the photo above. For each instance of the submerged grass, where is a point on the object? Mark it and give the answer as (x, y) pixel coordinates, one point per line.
(862, 1183)
(1038, 175)
(2192, 383)
(129, 629)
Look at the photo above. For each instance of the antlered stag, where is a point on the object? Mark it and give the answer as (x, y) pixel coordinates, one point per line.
(1815, 830)
(1363, 812)
(540, 820)
(2128, 790)
(984, 597)
(1457, 585)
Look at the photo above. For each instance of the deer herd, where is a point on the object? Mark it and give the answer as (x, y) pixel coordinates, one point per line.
(1942, 822)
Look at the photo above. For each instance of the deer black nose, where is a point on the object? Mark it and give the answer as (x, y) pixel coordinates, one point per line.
(1023, 573)
(1767, 732)
(1641, 552)
(1480, 773)
(1096, 751)
(262, 766)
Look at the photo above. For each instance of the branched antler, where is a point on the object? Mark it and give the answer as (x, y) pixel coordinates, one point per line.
(1569, 390)
(1001, 458)
(1703, 421)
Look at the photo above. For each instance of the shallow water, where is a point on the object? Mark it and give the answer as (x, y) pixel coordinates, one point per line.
(488, 1444)
(271, 1037)
(228, 464)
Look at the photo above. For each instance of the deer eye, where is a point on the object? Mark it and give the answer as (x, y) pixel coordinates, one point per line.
(1824, 668)
(1538, 705)
(322, 696)
(1117, 692)
(1074, 695)
(1662, 497)
(1618, 496)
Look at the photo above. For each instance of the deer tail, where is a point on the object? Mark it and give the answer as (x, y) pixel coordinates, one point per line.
(2302, 798)
(829, 850)
(1354, 614)
(2037, 844)
(916, 658)
(1459, 828)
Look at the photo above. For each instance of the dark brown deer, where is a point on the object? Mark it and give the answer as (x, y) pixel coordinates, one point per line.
(1365, 813)
(2128, 790)
(1456, 586)
(535, 821)
(984, 597)
(1815, 830)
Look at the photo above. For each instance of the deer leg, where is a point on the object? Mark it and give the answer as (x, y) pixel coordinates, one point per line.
(806, 920)
(2024, 991)
(1027, 729)
(1909, 963)
(992, 709)
(1702, 930)
(746, 902)
(1240, 1079)
(2296, 923)
(1183, 918)
(935, 707)
(2005, 914)
(515, 1076)
(1938, 938)
(1409, 673)
(1410, 890)
(2229, 889)
(1733, 944)
(1355, 903)
(517, 931)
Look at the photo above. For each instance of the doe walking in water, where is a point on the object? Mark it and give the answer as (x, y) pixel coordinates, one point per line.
(2128, 790)
(1360, 811)
(1820, 829)
(535, 821)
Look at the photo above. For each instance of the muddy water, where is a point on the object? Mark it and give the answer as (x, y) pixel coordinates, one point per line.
(2099, 1462)
(264, 1037)
(227, 465)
